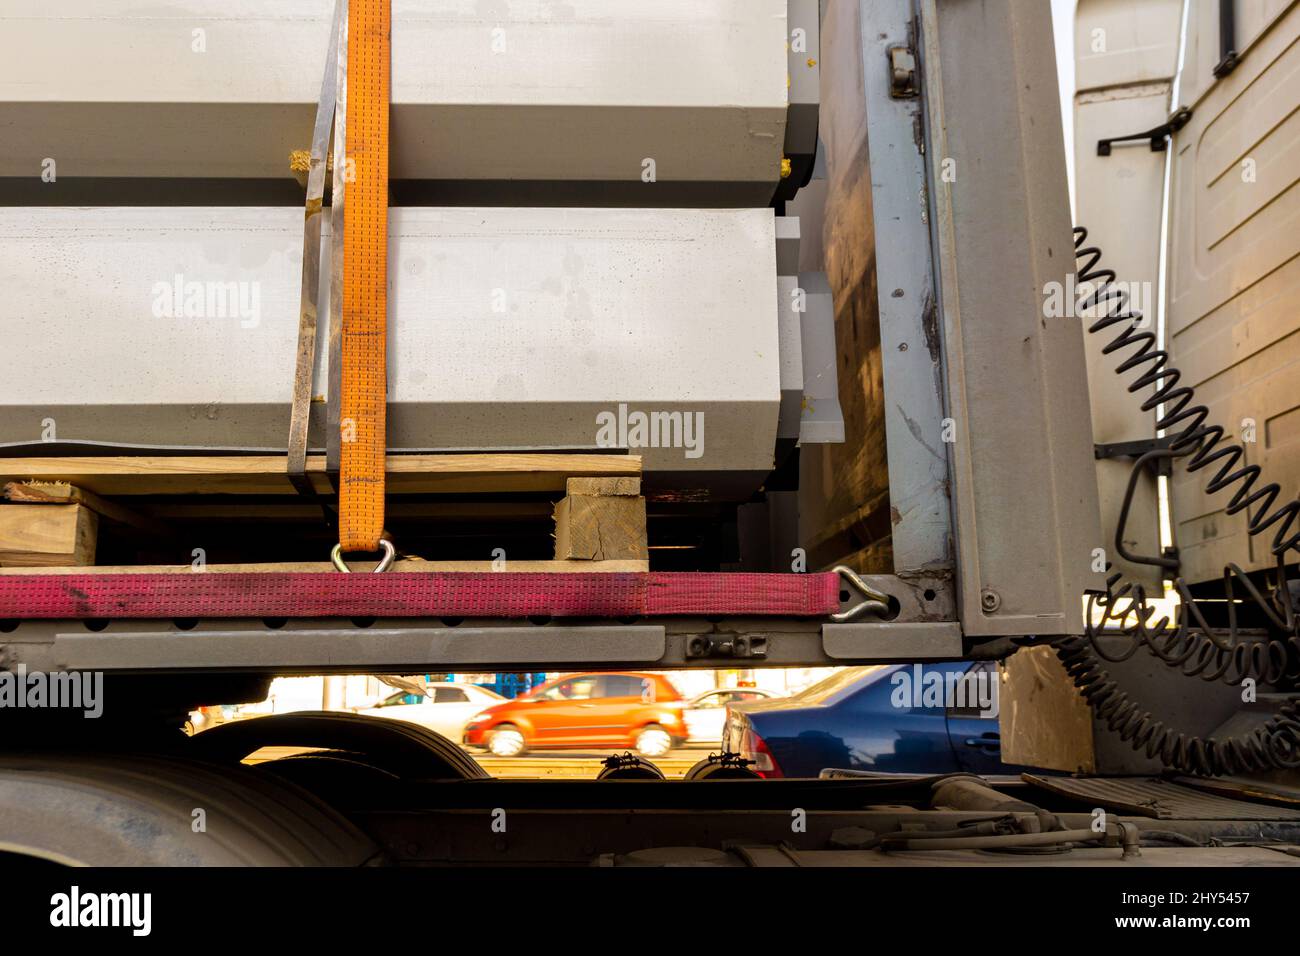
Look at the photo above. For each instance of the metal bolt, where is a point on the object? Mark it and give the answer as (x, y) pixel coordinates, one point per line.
(990, 600)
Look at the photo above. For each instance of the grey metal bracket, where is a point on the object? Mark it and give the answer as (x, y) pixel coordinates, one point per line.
(1136, 449)
(1158, 135)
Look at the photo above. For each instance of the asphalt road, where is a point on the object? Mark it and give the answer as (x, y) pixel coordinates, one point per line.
(580, 765)
(557, 764)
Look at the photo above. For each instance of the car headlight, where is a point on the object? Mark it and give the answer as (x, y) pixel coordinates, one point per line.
(478, 719)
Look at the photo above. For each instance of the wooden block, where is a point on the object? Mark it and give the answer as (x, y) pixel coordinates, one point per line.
(47, 535)
(603, 486)
(62, 493)
(600, 528)
(1044, 720)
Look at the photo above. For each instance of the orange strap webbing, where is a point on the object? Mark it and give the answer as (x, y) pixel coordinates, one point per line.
(364, 394)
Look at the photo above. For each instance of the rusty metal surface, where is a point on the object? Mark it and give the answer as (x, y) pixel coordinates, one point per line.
(300, 409)
(1158, 799)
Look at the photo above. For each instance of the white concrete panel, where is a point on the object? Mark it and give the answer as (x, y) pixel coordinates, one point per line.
(539, 90)
(508, 328)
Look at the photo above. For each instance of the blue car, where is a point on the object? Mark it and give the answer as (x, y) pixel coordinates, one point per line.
(900, 718)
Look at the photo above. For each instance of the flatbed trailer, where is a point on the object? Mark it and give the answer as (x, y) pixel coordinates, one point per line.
(917, 467)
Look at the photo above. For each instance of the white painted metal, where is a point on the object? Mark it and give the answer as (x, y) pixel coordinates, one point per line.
(1126, 56)
(581, 90)
(1234, 274)
(1253, 19)
(1024, 486)
(509, 328)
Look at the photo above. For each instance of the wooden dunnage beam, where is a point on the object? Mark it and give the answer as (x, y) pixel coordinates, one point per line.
(601, 519)
(265, 474)
(59, 493)
(41, 536)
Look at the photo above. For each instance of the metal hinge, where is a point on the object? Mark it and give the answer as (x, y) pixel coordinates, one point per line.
(902, 73)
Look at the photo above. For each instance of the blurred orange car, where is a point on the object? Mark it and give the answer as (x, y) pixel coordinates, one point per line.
(641, 711)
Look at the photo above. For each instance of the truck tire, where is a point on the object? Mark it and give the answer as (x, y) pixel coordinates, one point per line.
(119, 810)
(395, 746)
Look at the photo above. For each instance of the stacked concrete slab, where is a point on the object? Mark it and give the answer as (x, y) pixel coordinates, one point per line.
(524, 308)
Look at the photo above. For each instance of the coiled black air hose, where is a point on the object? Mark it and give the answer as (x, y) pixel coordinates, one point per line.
(1274, 744)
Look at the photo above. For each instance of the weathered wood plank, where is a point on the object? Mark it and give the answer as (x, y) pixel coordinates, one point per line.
(603, 486)
(39, 536)
(265, 474)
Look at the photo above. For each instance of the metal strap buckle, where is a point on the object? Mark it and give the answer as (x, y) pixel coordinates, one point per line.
(872, 600)
(386, 562)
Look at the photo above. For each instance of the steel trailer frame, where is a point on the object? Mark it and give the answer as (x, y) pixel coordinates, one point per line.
(988, 438)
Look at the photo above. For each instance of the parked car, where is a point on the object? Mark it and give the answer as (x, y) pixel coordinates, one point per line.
(875, 718)
(444, 707)
(706, 713)
(642, 711)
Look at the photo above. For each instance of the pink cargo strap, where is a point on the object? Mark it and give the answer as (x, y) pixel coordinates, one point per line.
(415, 594)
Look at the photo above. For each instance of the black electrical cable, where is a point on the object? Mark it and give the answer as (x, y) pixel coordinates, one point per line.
(1191, 644)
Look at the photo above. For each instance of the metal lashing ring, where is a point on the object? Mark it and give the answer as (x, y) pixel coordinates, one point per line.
(873, 600)
(386, 562)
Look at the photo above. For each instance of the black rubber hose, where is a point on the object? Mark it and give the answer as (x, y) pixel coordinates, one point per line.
(1275, 744)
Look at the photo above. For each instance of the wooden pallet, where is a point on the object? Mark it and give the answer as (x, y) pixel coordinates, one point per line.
(54, 506)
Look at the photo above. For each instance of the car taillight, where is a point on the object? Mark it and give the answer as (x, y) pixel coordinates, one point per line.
(753, 747)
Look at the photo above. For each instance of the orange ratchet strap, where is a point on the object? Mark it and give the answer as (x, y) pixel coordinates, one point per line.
(364, 393)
